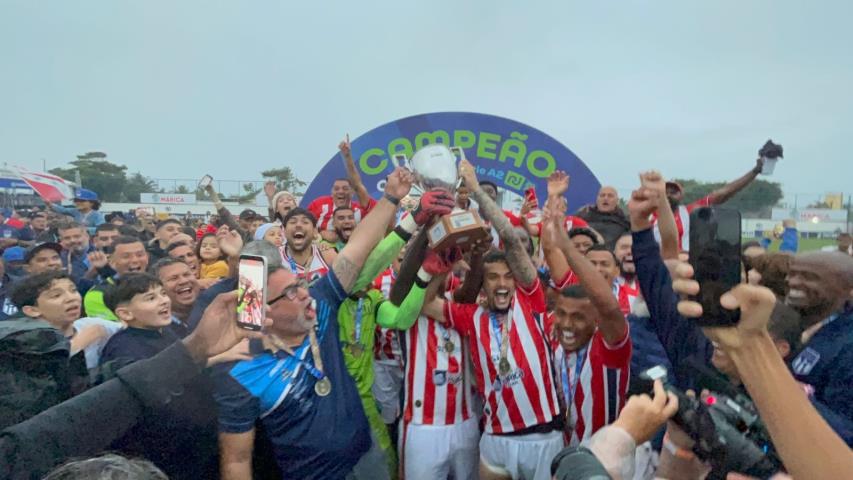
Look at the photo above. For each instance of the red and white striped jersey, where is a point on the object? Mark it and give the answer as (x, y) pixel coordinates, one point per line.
(324, 207)
(438, 387)
(385, 281)
(627, 294)
(599, 393)
(316, 269)
(386, 347)
(526, 396)
(682, 222)
(570, 222)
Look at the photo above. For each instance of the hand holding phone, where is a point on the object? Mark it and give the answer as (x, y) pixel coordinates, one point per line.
(251, 292)
(715, 255)
(205, 182)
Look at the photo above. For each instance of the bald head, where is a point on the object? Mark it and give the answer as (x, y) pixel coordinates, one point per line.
(607, 200)
(819, 284)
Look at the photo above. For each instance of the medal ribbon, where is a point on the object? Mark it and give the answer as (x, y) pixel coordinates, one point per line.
(315, 370)
(570, 388)
(359, 311)
(502, 333)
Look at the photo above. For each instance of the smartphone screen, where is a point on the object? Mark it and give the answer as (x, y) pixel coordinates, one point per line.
(251, 292)
(205, 181)
(716, 260)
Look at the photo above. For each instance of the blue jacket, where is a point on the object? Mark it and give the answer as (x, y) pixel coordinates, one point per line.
(90, 220)
(790, 240)
(685, 344)
(682, 339)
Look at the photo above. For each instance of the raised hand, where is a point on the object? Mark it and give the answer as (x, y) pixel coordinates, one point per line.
(217, 331)
(230, 242)
(399, 182)
(345, 147)
(439, 263)
(97, 259)
(755, 303)
(468, 174)
(653, 180)
(643, 203)
(435, 202)
(269, 190)
(558, 184)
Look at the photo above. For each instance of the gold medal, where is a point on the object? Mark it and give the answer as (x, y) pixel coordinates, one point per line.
(503, 366)
(449, 346)
(323, 387)
(356, 349)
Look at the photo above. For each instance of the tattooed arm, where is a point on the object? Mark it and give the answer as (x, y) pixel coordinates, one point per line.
(519, 261)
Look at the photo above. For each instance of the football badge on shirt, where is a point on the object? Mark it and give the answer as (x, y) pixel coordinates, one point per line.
(805, 361)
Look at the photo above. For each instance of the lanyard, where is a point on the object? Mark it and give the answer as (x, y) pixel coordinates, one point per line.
(359, 310)
(569, 389)
(293, 268)
(502, 333)
(315, 370)
(445, 335)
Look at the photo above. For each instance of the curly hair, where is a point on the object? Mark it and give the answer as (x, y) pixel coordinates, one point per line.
(773, 268)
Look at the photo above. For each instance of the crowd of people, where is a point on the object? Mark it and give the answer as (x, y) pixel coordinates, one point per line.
(562, 345)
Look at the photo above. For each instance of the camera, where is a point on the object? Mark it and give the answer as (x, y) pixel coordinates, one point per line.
(728, 432)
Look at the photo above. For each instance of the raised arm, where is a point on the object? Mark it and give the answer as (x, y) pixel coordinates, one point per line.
(519, 262)
(380, 258)
(558, 184)
(371, 229)
(654, 181)
(353, 175)
(807, 445)
(224, 214)
(729, 190)
(470, 288)
(612, 322)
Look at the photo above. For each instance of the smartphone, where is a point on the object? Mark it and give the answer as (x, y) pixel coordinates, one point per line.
(716, 259)
(251, 291)
(145, 211)
(400, 160)
(459, 152)
(205, 182)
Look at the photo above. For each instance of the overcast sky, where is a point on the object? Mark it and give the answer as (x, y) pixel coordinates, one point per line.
(176, 89)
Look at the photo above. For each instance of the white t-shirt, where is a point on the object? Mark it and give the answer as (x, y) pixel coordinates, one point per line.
(93, 351)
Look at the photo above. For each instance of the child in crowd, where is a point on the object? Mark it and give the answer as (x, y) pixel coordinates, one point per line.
(213, 264)
(138, 300)
(270, 232)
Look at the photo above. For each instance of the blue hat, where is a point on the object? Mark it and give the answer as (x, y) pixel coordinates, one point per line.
(262, 230)
(87, 195)
(14, 254)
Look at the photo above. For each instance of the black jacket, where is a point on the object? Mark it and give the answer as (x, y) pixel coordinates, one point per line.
(88, 423)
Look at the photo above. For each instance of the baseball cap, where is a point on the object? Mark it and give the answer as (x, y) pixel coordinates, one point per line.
(42, 246)
(87, 195)
(248, 214)
(13, 254)
(675, 185)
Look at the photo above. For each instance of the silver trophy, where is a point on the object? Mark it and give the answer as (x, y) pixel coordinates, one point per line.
(435, 166)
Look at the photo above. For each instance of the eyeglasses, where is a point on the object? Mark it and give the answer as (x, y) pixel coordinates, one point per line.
(290, 292)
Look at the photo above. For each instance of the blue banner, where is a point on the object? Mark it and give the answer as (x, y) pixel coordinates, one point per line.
(510, 154)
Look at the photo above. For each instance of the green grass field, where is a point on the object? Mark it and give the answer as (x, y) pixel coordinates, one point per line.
(806, 244)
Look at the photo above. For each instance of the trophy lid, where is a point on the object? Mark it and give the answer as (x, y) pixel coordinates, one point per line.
(435, 166)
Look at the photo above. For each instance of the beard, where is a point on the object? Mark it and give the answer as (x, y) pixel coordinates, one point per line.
(674, 203)
(343, 236)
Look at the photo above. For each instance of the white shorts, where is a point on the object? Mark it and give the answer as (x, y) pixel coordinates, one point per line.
(435, 451)
(387, 387)
(521, 456)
